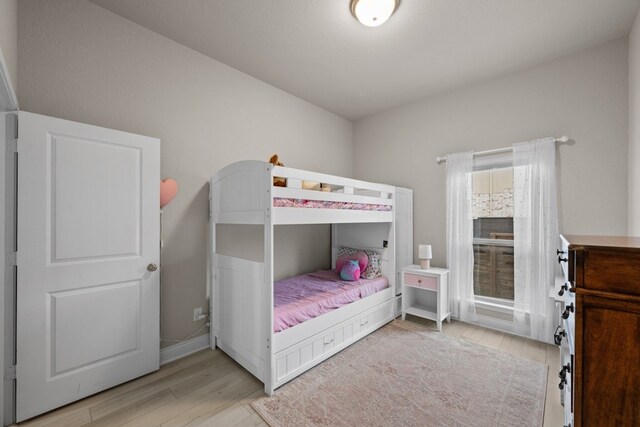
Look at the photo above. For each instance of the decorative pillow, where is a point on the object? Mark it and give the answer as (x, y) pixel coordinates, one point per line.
(360, 257)
(350, 270)
(374, 268)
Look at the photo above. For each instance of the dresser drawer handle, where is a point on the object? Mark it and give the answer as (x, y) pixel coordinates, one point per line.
(559, 252)
(563, 288)
(364, 323)
(558, 335)
(326, 342)
(567, 312)
(568, 286)
(562, 383)
(566, 369)
(560, 259)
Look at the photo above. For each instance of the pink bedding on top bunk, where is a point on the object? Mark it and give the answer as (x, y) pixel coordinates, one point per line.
(281, 202)
(300, 298)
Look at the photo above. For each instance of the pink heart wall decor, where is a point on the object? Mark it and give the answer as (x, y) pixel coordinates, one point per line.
(168, 190)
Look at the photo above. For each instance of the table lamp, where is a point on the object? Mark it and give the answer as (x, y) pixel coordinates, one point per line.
(425, 255)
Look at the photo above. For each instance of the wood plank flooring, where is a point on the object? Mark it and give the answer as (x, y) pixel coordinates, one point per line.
(209, 388)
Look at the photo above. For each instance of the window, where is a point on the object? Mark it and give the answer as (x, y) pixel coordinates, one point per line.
(493, 230)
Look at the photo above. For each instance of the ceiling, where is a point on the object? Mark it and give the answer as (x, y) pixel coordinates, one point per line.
(316, 50)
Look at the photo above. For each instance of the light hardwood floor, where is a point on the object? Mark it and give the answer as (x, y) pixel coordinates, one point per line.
(209, 388)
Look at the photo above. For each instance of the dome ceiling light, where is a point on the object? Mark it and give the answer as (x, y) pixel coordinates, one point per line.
(373, 12)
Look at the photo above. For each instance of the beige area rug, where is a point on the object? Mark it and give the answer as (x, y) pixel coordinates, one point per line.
(407, 375)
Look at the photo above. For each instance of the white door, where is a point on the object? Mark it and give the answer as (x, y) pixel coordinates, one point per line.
(88, 244)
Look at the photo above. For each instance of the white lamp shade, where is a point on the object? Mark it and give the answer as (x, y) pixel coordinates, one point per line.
(424, 252)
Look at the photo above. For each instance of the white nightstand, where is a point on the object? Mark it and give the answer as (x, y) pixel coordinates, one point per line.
(425, 293)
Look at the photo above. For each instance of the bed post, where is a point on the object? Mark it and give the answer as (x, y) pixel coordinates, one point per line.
(391, 274)
(211, 249)
(269, 368)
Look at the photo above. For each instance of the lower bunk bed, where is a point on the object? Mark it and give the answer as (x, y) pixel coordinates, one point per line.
(315, 315)
(307, 296)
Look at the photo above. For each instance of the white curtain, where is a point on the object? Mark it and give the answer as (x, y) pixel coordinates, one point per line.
(460, 234)
(535, 225)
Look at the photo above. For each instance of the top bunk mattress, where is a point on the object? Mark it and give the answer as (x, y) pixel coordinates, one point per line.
(300, 298)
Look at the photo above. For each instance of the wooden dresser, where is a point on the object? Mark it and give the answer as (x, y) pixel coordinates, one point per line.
(604, 273)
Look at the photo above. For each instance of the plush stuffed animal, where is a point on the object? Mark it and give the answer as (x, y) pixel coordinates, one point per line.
(360, 257)
(350, 270)
(278, 181)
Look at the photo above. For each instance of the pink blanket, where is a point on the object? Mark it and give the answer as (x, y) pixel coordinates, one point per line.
(300, 298)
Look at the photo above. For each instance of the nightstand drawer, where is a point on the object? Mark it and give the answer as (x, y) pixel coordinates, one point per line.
(418, 281)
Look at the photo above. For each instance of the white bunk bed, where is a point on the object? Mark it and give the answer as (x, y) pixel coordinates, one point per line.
(242, 290)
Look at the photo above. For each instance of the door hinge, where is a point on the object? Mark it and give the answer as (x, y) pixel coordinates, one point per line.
(12, 145)
(10, 373)
(12, 259)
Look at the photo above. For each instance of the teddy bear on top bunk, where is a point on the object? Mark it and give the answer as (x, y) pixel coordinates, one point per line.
(279, 181)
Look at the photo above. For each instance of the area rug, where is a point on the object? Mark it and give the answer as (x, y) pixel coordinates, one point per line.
(407, 375)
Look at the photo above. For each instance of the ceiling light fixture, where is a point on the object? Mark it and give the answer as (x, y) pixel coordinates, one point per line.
(373, 12)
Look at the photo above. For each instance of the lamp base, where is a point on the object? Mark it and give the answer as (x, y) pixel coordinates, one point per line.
(425, 264)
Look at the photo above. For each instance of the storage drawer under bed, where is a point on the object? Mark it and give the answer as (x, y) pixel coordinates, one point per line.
(300, 357)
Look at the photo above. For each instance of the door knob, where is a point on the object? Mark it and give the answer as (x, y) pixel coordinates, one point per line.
(152, 267)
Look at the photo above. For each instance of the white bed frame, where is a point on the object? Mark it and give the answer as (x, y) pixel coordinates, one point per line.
(241, 296)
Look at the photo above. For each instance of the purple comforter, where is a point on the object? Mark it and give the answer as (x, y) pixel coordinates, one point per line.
(300, 298)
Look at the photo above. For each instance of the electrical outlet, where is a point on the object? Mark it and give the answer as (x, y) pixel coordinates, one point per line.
(197, 314)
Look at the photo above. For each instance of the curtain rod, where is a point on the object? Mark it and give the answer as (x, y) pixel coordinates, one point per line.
(563, 138)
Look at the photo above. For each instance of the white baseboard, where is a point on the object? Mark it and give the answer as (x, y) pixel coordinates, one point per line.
(182, 349)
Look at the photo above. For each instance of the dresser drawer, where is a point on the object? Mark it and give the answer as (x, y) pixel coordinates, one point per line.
(608, 270)
(419, 281)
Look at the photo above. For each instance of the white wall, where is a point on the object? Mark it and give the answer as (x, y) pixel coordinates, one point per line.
(634, 128)
(83, 63)
(9, 36)
(583, 96)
